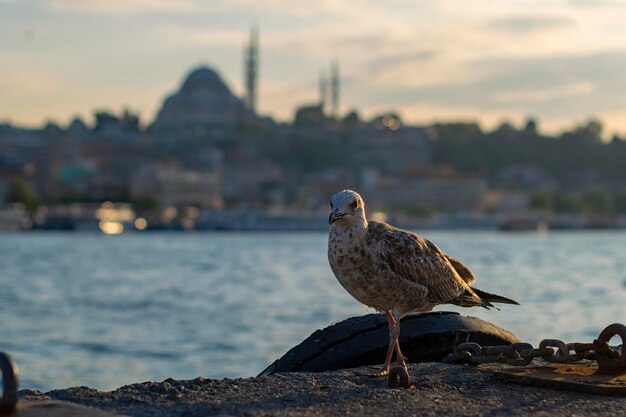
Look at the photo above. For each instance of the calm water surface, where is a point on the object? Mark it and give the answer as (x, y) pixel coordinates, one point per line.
(104, 311)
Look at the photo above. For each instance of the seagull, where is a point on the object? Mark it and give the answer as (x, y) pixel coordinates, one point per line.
(395, 271)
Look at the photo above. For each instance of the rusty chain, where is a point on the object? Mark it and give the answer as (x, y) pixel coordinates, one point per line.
(610, 361)
(8, 371)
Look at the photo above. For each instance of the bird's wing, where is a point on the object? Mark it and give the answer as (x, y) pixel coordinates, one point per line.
(420, 261)
(461, 269)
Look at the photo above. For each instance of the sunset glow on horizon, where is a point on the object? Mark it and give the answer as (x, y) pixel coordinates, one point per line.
(562, 62)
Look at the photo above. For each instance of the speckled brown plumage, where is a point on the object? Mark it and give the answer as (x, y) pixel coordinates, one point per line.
(392, 270)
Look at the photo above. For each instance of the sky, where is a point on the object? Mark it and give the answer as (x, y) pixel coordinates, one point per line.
(560, 61)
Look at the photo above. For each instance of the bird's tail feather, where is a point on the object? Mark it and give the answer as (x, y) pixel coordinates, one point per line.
(481, 298)
(488, 298)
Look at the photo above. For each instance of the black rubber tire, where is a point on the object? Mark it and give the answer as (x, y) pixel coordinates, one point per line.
(361, 341)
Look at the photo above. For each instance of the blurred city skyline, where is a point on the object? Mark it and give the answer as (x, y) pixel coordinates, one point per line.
(559, 61)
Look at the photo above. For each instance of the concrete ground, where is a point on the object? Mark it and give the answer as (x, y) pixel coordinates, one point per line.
(440, 390)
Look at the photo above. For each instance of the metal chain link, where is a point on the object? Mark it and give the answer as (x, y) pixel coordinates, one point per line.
(8, 398)
(550, 350)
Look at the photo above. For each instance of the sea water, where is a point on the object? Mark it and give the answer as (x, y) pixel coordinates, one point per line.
(104, 311)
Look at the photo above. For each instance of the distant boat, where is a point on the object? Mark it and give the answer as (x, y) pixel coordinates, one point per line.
(523, 224)
(14, 220)
(262, 220)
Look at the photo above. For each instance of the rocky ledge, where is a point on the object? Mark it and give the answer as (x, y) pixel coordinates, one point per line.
(440, 390)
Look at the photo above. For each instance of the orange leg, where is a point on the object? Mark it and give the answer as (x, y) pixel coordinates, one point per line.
(394, 334)
(400, 358)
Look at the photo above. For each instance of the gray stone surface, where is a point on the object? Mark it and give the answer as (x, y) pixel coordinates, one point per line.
(440, 390)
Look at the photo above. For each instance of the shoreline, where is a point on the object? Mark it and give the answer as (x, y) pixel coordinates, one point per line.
(440, 389)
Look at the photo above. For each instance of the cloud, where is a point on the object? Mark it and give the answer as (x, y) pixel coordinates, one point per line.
(526, 24)
(600, 73)
(285, 7)
(428, 113)
(555, 59)
(218, 37)
(537, 95)
(554, 89)
(598, 3)
(120, 7)
(385, 61)
(30, 82)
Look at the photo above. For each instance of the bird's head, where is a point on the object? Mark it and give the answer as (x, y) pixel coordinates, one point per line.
(347, 209)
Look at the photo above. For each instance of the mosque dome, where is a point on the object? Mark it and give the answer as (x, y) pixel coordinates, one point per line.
(203, 104)
(204, 78)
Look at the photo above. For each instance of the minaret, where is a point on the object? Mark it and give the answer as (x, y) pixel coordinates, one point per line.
(334, 86)
(323, 91)
(251, 57)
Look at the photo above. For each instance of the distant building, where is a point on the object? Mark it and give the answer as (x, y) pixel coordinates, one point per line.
(434, 189)
(203, 107)
(329, 91)
(4, 192)
(249, 178)
(509, 201)
(525, 177)
(312, 115)
(78, 129)
(334, 89)
(171, 186)
(76, 177)
(389, 150)
(323, 91)
(251, 57)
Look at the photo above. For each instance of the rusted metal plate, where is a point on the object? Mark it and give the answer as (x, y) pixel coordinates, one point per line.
(574, 377)
(50, 408)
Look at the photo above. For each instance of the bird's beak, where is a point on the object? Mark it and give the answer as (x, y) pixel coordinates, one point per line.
(334, 216)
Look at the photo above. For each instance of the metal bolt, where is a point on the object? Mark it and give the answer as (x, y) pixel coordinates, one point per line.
(399, 377)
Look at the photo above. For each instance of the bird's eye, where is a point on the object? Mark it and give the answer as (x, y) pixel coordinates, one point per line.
(354, 205)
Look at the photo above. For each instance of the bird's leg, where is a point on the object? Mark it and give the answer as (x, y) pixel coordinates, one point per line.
(394, 330)
(398, 372)
(400, 358)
